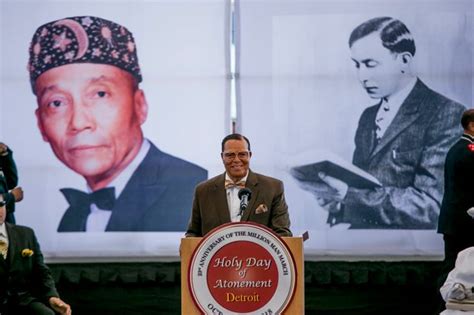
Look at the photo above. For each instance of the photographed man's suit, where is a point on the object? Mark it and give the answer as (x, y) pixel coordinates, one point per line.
(454, 222)
(210, 207)
(24, 278)
(156, 198)
(408, 161)
(8, 181)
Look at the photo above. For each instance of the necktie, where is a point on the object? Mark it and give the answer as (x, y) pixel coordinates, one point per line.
(230, 184)
(104, 199)
(380, 124)
(3, 246)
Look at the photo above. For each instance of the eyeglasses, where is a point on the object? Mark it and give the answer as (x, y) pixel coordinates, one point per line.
(2, 203)
(229, 156)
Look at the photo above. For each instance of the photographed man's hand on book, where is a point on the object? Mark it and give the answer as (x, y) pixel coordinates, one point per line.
(338, 187)
(328, 191)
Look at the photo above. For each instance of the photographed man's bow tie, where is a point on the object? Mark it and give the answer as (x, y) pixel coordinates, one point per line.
(103, 198)
(231, 184)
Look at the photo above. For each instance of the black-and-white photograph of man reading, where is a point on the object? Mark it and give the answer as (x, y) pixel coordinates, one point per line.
(401, 139)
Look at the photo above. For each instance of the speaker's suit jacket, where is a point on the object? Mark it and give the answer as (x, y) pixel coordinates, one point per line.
(8, 181)
(156, 198)
(408, 161)
(210, 207)
(24, 279)
(459, 190)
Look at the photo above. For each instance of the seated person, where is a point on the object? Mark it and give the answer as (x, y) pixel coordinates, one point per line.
(458, 288)
(26, 284)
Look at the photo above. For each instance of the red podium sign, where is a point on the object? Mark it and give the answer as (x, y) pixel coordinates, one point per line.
(242, 268)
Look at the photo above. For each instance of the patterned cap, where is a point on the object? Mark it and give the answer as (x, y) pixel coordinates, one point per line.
(82, 39)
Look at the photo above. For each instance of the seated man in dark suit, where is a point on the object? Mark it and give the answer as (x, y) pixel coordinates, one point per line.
(216, 200)
(9, 181)
(26, 285)
(85, 74)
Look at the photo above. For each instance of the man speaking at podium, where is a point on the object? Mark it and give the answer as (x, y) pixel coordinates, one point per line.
(239, 194)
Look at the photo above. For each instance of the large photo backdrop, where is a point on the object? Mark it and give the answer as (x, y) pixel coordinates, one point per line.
(85, 119)
(304, 95)
(316, 97)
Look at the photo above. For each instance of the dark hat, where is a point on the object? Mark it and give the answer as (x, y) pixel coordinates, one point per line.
(82, 39)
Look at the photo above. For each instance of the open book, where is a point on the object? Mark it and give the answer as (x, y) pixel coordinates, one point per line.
(308, 165)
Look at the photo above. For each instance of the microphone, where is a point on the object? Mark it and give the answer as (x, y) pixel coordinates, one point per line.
(244, 195)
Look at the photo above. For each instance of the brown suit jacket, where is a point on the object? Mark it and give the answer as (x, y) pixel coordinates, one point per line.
(210, 207)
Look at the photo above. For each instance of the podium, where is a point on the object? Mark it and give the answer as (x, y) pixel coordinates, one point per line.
(295, 246)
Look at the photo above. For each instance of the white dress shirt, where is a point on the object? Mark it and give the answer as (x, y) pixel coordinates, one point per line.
(233, 200)
(98, 219)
